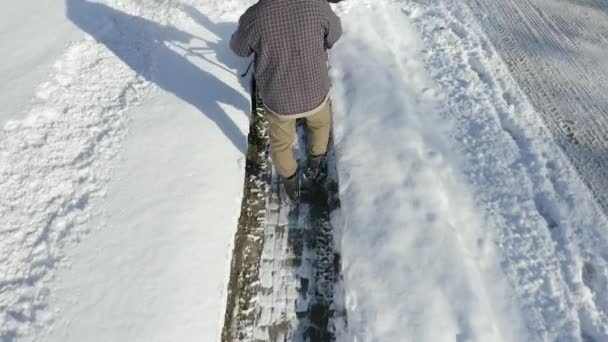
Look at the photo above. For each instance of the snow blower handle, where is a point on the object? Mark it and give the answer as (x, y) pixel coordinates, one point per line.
(248, 68)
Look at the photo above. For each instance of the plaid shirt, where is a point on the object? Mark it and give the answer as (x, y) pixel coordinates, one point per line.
(289, 39)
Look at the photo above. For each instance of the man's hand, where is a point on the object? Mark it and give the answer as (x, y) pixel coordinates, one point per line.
(333, 29)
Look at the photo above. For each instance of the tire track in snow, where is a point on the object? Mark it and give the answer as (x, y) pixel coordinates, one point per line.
(547, 266)
(567, 83)
(55, 163)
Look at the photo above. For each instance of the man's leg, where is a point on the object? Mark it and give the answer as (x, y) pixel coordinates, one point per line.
(282, 134)
(319, 127)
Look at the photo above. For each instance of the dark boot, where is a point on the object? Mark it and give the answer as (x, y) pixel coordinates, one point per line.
(313, 167)
(291, 186)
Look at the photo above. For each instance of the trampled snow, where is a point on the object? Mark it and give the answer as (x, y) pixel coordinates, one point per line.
(121, 177)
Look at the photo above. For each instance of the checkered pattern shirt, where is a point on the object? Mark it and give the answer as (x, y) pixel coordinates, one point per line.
(289, 39)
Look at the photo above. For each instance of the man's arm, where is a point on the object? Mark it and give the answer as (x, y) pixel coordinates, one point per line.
(240, 43)
(333, 29)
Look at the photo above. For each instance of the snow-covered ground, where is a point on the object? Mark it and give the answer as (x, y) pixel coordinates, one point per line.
(417, 258)
(121, 174)
(556, 51)
(33, 35)
(121, 188)
(474, 226)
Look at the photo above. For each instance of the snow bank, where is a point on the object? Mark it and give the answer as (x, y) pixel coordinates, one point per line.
(476, 181)
(162, 259)
(419, 263)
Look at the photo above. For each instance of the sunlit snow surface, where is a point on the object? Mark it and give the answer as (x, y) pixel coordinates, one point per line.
(462, 218)
(121, 176)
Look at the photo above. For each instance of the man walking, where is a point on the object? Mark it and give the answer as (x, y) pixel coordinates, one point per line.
(290, 39)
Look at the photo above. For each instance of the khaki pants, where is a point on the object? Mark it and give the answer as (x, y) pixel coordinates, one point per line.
(282, 135)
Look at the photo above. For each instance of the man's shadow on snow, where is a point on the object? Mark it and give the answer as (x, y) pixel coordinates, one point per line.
(159, 54)
(221, 49)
